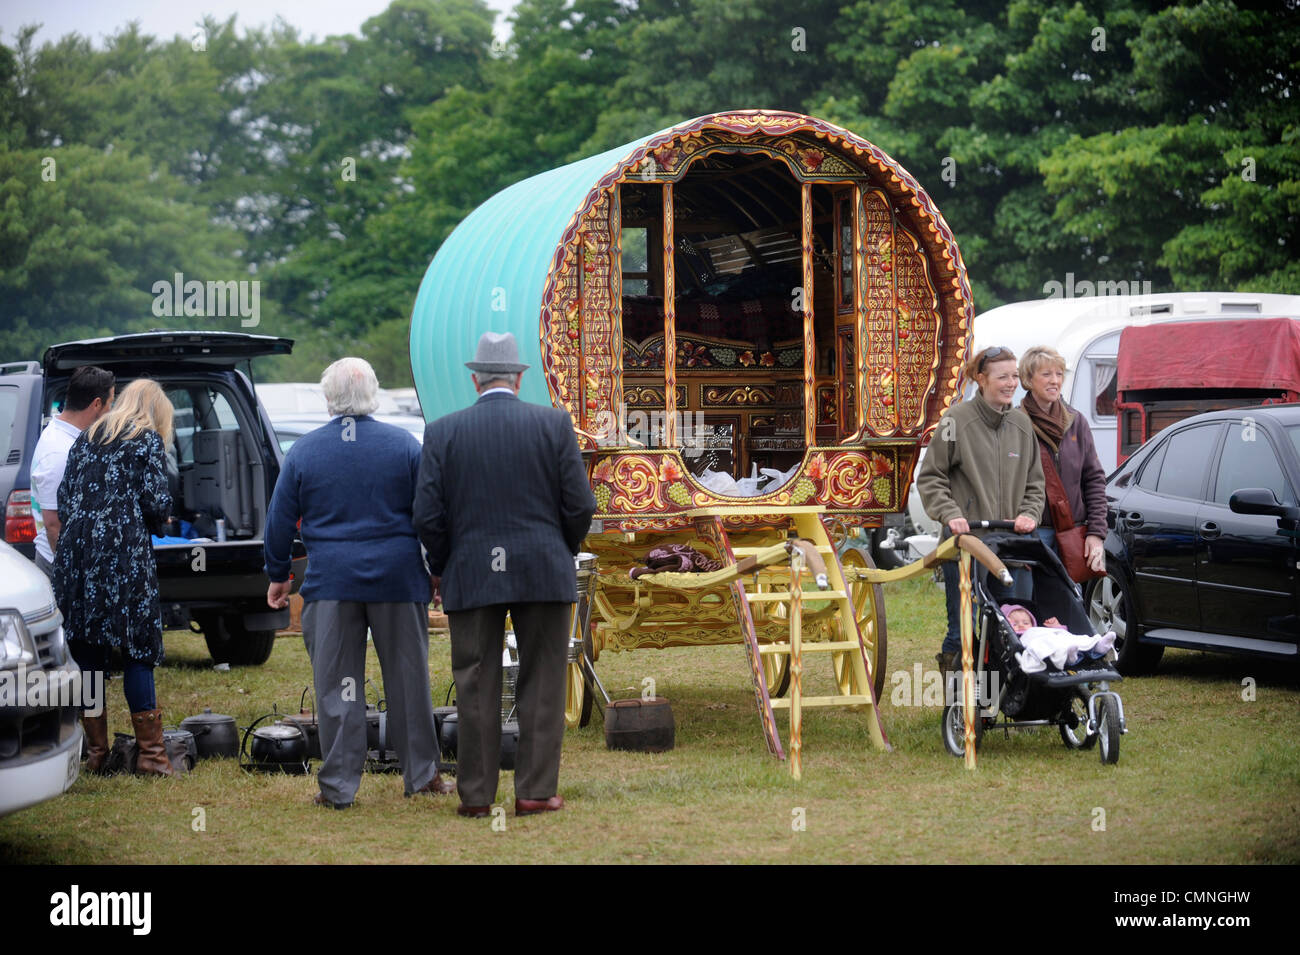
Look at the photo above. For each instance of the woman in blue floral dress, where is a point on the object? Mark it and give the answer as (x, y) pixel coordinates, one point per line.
(114, 493)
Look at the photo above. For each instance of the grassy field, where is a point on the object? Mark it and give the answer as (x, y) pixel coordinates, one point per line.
(1204, 776)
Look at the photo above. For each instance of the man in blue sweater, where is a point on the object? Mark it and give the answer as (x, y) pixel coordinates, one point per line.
(352, 482)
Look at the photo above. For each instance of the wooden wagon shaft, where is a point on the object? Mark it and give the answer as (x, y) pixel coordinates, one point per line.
(969, 703)
(947, 550)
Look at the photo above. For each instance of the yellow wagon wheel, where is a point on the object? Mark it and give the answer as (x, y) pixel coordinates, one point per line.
(776, 672)
(578, 697)
(869, 610)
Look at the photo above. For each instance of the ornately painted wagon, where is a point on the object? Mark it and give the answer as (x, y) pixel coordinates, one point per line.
(751, 291)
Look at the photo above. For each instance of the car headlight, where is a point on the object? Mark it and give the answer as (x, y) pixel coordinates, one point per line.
(58, 646)
(16, 645)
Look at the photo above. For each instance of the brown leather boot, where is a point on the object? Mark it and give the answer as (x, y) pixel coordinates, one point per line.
(151, 755)
(96, 729)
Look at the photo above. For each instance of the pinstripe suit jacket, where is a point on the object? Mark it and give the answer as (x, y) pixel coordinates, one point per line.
(503, 503)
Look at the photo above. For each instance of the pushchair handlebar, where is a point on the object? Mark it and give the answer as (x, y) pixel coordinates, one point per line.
(994, 525)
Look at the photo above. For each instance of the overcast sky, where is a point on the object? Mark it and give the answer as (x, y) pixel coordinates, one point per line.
(163, 18)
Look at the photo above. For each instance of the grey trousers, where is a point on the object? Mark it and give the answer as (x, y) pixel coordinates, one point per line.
(542, 634)
(335, 634)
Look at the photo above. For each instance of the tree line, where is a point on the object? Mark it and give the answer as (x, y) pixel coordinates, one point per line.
(1111, 141)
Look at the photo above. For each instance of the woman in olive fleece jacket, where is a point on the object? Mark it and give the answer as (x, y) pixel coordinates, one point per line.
(982, 465)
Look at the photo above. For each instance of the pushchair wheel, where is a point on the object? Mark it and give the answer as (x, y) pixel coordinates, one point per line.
(1108, 731)
(1077, 736)
(954, 729)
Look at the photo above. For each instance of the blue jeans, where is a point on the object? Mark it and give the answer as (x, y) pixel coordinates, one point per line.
(137, 677)
(1022, 587)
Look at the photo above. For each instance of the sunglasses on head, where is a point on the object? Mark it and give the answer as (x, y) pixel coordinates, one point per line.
(993, 354)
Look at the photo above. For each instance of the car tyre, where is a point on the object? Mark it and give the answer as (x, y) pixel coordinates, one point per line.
(229, 641)
(1110, 608)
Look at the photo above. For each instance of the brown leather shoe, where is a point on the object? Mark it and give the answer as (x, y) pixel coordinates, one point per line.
(151, 755)
(529, 807)
(437, 786)
(320, 800)
(473, 812)
(96, 728)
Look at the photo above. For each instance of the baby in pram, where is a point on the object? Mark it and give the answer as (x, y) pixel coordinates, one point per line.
(1051, 642)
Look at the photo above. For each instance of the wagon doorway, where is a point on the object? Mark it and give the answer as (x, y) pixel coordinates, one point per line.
(714, 344)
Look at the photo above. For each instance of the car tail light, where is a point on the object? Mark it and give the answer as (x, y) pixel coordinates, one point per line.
(20, 524)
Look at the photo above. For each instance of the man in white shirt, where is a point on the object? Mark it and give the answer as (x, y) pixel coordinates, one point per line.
(90, 395)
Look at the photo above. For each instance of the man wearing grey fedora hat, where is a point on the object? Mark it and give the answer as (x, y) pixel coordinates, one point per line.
(502, 504)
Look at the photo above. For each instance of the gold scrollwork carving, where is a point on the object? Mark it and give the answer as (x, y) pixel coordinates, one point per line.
(748, 395)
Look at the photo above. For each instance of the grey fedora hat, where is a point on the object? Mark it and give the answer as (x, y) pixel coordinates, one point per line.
(497, 353)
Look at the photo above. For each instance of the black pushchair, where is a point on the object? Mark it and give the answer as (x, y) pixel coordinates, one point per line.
(1076, 698)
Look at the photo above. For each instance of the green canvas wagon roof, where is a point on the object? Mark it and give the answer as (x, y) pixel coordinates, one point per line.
(490, 275)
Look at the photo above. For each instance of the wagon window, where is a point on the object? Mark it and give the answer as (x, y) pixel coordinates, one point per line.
(636, 261)
(732, 231)
(844, 252)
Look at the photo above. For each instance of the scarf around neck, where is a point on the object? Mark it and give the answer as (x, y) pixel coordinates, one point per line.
(1050, 422)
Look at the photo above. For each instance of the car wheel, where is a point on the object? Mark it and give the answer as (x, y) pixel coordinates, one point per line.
(1110, 608)
(230, 642)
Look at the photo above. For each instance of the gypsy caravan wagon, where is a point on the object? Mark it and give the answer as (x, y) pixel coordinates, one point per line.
(754, 319)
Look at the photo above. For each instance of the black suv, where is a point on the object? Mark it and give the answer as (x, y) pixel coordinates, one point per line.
(227, 461)
(1202, 549)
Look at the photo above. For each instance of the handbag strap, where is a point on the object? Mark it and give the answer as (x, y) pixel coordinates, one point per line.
(1057, 500)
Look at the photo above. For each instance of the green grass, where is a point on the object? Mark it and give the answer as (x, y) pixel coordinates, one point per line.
(1203, 777)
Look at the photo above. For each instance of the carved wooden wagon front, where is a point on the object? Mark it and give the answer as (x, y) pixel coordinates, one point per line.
(754, 319)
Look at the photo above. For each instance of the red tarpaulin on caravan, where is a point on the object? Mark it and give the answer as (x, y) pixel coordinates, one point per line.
(1259, 353)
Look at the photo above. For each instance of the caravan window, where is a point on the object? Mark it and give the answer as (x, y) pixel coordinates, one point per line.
(1098, 385)
(1104, 400)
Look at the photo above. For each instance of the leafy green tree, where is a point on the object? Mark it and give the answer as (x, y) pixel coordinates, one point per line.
(342, 113)
(84, 236)
(1206, 194)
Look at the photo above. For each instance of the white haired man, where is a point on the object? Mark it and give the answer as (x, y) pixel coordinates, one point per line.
(352, 482)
